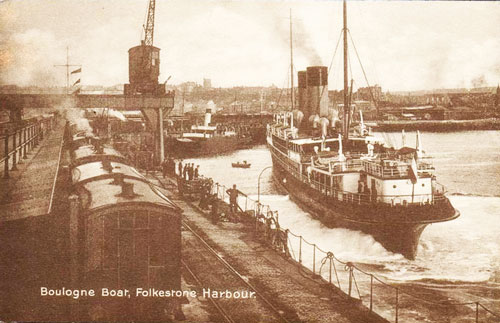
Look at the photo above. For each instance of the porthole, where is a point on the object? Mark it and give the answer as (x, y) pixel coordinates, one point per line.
(393, 186)
(423, 185)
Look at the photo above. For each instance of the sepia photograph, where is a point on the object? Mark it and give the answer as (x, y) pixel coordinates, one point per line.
(249, 161)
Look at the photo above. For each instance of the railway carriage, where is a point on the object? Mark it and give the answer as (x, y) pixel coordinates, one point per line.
(128, 236)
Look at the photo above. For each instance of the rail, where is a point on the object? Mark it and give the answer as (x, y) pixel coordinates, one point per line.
(242, 278)
(437, 195)
(384, 298)
(395, 169)
(20, 141)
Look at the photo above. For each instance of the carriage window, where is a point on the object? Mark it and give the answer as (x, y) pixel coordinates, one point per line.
(141, 220)
(127, 221)
(157, 252)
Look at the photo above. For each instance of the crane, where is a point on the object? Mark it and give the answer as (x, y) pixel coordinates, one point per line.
(149, 28)
(144, 61)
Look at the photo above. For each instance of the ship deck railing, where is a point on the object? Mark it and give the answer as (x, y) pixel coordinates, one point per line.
(389, 169)
(435, 197)
(396, 168)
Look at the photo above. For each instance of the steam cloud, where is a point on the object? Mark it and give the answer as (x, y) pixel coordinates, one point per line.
(75, 116)
(302, 41)
(28, 58)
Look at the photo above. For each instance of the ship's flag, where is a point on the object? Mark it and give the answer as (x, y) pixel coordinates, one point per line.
(77, 71)
(77, 81)
(413, 171)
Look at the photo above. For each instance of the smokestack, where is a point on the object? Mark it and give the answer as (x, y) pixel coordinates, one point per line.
(317, 90)
(208, 117)
(118, 179)
(302, 88)
(127, 190)
(106, 165)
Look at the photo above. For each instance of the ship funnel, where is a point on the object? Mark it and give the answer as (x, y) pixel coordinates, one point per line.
(302, 94)
(208, 117)
(418, 146)
(317, 90)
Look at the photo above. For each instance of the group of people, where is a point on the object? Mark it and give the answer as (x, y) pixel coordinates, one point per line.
(189, 171)
(168, 167)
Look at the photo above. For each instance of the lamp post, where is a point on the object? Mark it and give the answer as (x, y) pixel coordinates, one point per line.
(258, 184)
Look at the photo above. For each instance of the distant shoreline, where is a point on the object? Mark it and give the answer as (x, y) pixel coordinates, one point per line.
(436, 125)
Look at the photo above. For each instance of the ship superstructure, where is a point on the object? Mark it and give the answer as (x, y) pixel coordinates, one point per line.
(349, 178)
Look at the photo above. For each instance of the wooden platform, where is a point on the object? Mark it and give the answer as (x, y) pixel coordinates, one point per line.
(29, 190)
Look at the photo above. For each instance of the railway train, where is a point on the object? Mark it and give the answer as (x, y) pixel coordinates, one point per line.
(126, 235)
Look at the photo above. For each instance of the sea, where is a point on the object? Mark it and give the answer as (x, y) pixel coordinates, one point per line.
(457, 268)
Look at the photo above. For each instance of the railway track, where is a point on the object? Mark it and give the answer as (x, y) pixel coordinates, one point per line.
(222, 276)
(198, 255)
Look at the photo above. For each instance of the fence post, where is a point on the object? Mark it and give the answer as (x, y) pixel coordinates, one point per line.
(6, 155)
(371, 292)
(246, 202)
(14, 166)
(314, 259)
(30, 136)
(349, 265)
(330, 277)
(20, 144)
(35, 138)
(397, 304)
(25, 144)
(300, 250)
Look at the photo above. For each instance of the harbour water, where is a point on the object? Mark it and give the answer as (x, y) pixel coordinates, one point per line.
(459, 260)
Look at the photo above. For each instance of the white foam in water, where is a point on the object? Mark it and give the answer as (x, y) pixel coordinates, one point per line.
(347, 245)
(462, 250)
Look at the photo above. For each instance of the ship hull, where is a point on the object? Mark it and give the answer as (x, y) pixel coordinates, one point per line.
(205, 147)
(398, 237)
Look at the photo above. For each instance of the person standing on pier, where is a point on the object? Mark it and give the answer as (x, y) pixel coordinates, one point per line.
(179, 167)
(233, 199)
(197, 172)
(185, 171)
(164, 168)
(191, 171)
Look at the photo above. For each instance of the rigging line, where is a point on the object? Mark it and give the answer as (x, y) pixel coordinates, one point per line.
(282, 89)
(364, 73)
(334, 52)
(329, 68)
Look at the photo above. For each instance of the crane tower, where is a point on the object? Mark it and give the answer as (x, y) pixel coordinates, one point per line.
(144, 62)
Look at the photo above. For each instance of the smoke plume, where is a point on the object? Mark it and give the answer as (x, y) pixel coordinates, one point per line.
(28, 58)
(74, 116)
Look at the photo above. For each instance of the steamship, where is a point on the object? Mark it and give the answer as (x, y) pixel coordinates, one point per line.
(348, 178)
(207, 139)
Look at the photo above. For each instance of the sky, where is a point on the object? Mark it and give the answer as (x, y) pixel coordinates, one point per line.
(402, 45)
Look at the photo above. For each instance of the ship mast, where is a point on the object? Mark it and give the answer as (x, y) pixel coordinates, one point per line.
(346, 103)
(291, 63)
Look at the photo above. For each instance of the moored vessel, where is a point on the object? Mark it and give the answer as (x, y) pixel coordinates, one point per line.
(346, 177)
(206, 139)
